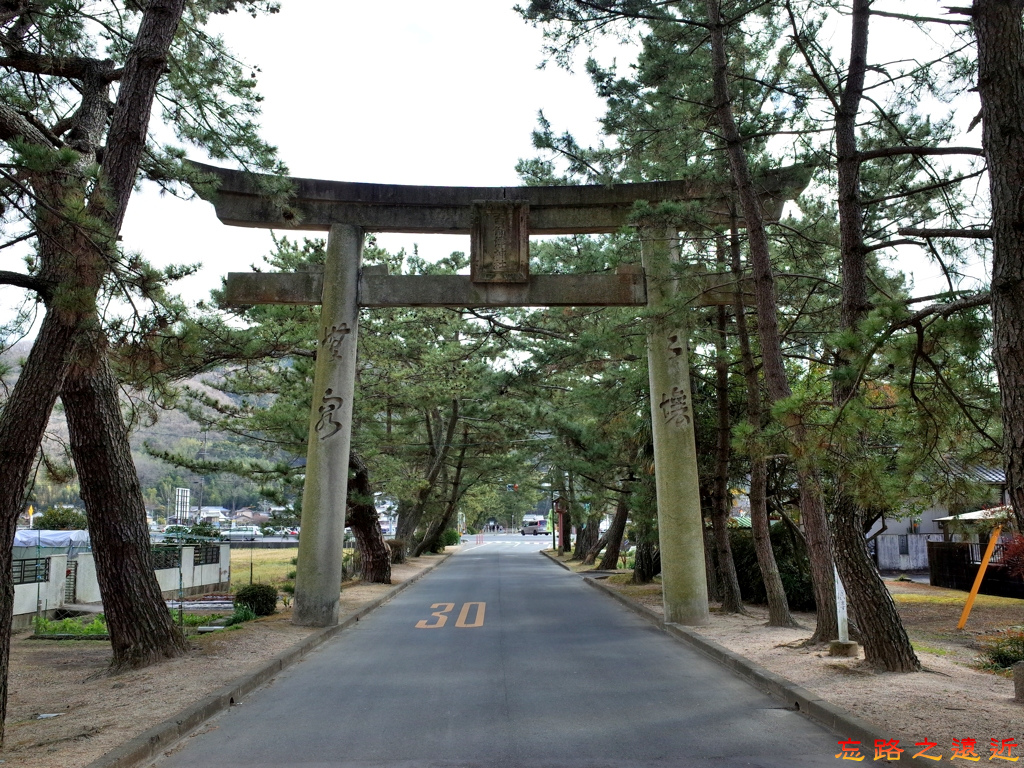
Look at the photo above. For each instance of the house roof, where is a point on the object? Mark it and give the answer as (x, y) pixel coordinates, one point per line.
(993, 513)
(991, 475)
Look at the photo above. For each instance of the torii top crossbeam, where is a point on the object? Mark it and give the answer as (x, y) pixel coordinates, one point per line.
(499, 220)
(590, 209)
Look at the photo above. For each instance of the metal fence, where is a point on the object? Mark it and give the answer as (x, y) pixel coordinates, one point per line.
(955, 565)
(206, 554)
(166, 557)
(31, 570)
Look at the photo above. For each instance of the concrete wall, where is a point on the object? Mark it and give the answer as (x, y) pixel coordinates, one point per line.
(87, 588)
(916, 559)
(48, 595)
(194, 580)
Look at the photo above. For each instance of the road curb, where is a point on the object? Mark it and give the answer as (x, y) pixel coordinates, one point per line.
(836, 719)
(149, 744)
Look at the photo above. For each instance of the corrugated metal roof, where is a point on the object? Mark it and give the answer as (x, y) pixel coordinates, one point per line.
(983, 474)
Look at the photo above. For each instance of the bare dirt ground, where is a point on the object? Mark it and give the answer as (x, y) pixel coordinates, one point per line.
(952, 699)
(98, 712)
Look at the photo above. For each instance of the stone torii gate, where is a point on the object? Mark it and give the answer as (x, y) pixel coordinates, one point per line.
(499, 221)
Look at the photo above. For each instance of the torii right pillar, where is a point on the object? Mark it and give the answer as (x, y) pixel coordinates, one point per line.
(680, 523)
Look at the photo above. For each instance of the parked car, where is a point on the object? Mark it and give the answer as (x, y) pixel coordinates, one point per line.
(242, 533)
(534, 527)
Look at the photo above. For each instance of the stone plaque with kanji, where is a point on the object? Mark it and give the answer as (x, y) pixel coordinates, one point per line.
(500, 242)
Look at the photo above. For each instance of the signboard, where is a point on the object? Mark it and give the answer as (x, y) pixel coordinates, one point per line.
(182, 502)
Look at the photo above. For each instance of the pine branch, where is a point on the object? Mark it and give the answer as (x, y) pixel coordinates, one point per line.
(922, 19)
(872, 154)
(31, 282)
(980, 234)
(70, 67)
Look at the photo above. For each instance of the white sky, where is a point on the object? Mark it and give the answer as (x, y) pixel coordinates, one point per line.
(402, 92)
(405, 92)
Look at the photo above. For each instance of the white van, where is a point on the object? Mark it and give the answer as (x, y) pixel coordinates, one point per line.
(242, 533)
(534, 526)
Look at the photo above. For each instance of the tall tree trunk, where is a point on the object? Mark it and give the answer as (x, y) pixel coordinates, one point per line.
(440, 438)
(22, 423)
(615, 532)
(73, 263)
(595, 550)
(141, 628)
(362, 518)
(885, 641)
(710, 566)
(812, 508)
(778, 606)
(998, 28)
(732, 602)
(438, 527)
(646, 562)
(587, 536)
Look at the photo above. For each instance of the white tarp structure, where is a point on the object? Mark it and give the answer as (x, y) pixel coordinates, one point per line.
(29, 543)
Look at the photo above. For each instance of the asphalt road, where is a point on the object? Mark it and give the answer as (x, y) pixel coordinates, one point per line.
(501, 658)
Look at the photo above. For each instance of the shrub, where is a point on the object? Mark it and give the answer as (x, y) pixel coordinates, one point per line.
(450, 537)
(243, 612)
(59, 519)
(1013, 556)
(288, 587)
(1006, 651)
(70, 626)
(291, 575)
(261, 598)
(397, 547)
(791, 557)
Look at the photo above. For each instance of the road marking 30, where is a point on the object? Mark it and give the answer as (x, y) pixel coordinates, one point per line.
(463, 622)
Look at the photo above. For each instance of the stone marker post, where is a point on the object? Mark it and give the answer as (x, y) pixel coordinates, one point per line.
(680, 523)
(318, 581)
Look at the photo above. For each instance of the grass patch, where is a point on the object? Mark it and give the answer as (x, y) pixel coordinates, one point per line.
(953, 597)
(269, 566)
(921, 647)
(1003, 652)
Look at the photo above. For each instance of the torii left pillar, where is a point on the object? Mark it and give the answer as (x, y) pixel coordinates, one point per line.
(318, 577)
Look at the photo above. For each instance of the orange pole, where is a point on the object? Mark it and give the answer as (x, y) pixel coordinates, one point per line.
(981, 575)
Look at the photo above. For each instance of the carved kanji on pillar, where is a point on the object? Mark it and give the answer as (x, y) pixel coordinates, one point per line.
(500, 242)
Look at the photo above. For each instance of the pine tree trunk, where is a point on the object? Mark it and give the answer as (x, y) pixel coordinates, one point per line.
(615, 532)
(587, 536)
(646, 563)
(595, 550)
(778, 605)
(73, 262)
(812, 508)
(710, 566)
(885, 641)
(998, 28)
(141, 628)
(732, 602)
(374, 553)
(22, 423)
(440, 444)
(439, 526)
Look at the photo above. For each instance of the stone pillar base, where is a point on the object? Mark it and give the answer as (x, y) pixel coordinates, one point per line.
(1018, 682)
(848, 649)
